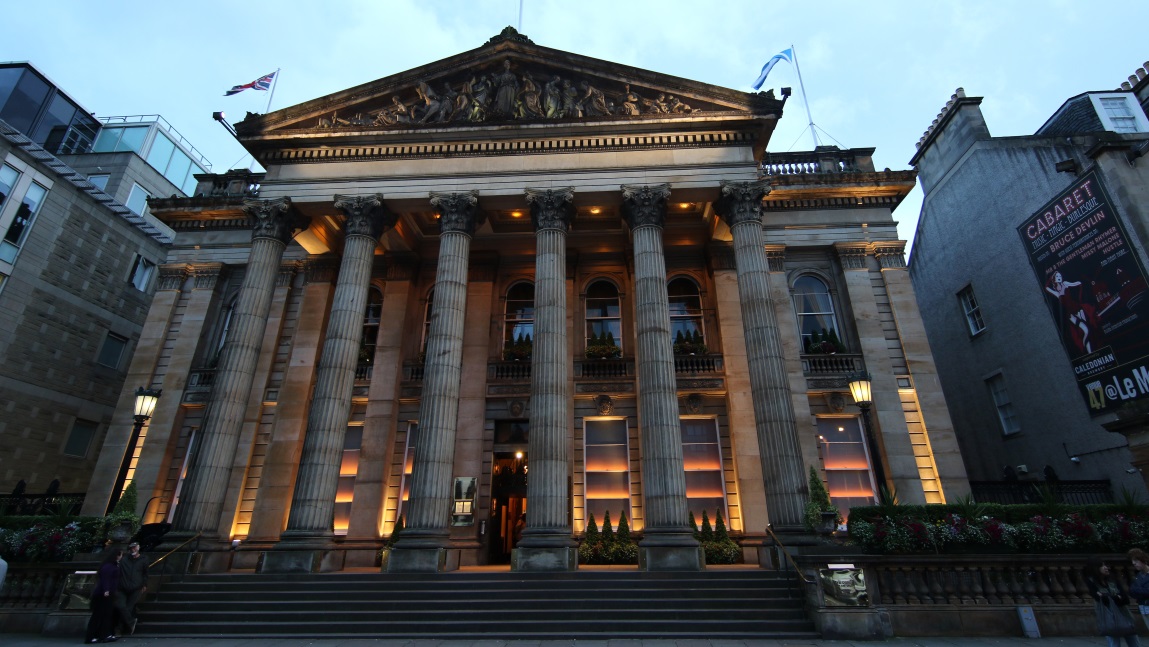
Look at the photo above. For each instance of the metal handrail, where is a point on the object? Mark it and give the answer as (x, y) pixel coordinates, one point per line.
(797, 569)
(172, 551)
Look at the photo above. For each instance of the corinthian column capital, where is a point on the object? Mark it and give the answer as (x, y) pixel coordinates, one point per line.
(645, 205)
(273, 218)
(458, 212)
(741, 201)
(551, 208)
(366, 214)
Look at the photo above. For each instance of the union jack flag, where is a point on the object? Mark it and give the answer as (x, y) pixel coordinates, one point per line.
(262, 83)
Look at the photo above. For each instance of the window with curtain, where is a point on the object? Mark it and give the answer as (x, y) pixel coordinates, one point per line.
(847, 462)
(603, 313)
(519, 319)
(685, 310)
(814, 308)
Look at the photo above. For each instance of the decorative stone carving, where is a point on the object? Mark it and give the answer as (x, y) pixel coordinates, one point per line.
(835, 401)
(692, 403)
(741, 201)
(287, 272)
(366, 214)
(321, 270)
(273, 219)
(516, 408)
(172, 277)
(604, 405)
(457, 211)
(511, 34)
(721, 257)
(776, 257)
(645, 206)
(852, 256)
(551, 208)
(891, 255)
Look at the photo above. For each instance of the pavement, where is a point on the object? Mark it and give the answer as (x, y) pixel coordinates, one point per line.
(34, 640)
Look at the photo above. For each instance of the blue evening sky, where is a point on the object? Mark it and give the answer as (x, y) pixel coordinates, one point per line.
(877, 73)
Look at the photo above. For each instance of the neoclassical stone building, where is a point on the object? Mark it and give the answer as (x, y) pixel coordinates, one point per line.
(523, 276)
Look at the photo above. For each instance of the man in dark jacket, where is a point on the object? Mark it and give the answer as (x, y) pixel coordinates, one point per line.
(133, 584)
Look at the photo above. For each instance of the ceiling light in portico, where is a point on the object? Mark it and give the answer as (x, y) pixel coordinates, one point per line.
(516, 214)
(596, 210)
(683, 205)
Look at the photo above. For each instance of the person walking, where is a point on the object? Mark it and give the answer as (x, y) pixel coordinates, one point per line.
(102, 623)
(1139, 589)
(133, 584)
(1110, 605)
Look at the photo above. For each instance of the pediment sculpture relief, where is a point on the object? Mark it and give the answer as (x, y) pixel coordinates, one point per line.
(509, 94)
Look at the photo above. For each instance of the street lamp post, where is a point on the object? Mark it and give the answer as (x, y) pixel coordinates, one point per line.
(145, 405)
(861, 388)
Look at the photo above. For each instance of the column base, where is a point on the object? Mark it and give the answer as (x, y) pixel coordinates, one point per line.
(671, 558)
(544, 558)
(420, 560)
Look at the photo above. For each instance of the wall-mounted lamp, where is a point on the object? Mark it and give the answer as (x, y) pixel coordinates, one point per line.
(222, 119)
(787, 92)
(1066, 166)
(1075, 459)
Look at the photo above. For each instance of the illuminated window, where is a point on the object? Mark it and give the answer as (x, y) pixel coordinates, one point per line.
(1005, 412)
(519, 321)
(847, 462)
(349, 468)
(603, 313)
(972, 310)
(814, 308)
(408, 467)
(685, 310)
(702, 459)
(607, 463)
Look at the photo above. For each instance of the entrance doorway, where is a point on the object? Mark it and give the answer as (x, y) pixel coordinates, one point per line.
(508, 504)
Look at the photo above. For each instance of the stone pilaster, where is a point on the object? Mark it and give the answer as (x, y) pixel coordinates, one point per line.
(423, 545)
(783, 472)
(313, 505)
(668, 543)
(547, 543)
(201, 501)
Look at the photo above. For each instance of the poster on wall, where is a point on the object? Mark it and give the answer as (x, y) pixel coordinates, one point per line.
(1096, 291)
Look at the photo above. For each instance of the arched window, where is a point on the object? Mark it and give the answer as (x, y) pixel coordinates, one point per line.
(519, 319)
(685, 311)
(370, 327)
(603, 314)
(815, 310)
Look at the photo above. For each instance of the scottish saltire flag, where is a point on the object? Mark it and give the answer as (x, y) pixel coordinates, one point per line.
(785, 55)
(262, 83)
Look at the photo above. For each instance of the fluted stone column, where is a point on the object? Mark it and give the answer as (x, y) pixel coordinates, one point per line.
(668, 542)
(783, 471)
(547, 543)
(423, 545)
(313, 505)
(201, 500)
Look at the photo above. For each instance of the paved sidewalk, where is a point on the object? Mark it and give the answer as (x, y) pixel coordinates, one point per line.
(31, 640)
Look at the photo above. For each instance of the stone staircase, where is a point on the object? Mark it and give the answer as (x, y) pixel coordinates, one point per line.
(717, 604)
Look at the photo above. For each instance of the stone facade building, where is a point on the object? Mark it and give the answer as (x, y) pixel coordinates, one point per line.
(1033, 309)
(524, 276)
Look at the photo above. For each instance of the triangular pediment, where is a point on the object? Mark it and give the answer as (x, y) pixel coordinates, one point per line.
(508, 81)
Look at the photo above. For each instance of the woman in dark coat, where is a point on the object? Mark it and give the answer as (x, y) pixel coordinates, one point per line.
(102, 624)
(1111, 605)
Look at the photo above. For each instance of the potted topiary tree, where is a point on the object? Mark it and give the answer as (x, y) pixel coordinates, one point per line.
(602, 347)
(821, 516)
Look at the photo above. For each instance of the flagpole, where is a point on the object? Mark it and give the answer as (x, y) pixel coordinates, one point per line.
(805, 100)
(275, 82)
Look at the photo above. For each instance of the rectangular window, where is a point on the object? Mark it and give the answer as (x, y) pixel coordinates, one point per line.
(100, 181)
(137, 200)
(1120, 116)
(607, 462)
(847, 462)
(8, 177)
(22, 222)
(702, 459)
(142, 273)
(112, 351)
(972, 310)
(80, 438)
(1005, 412)
(349, 468)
